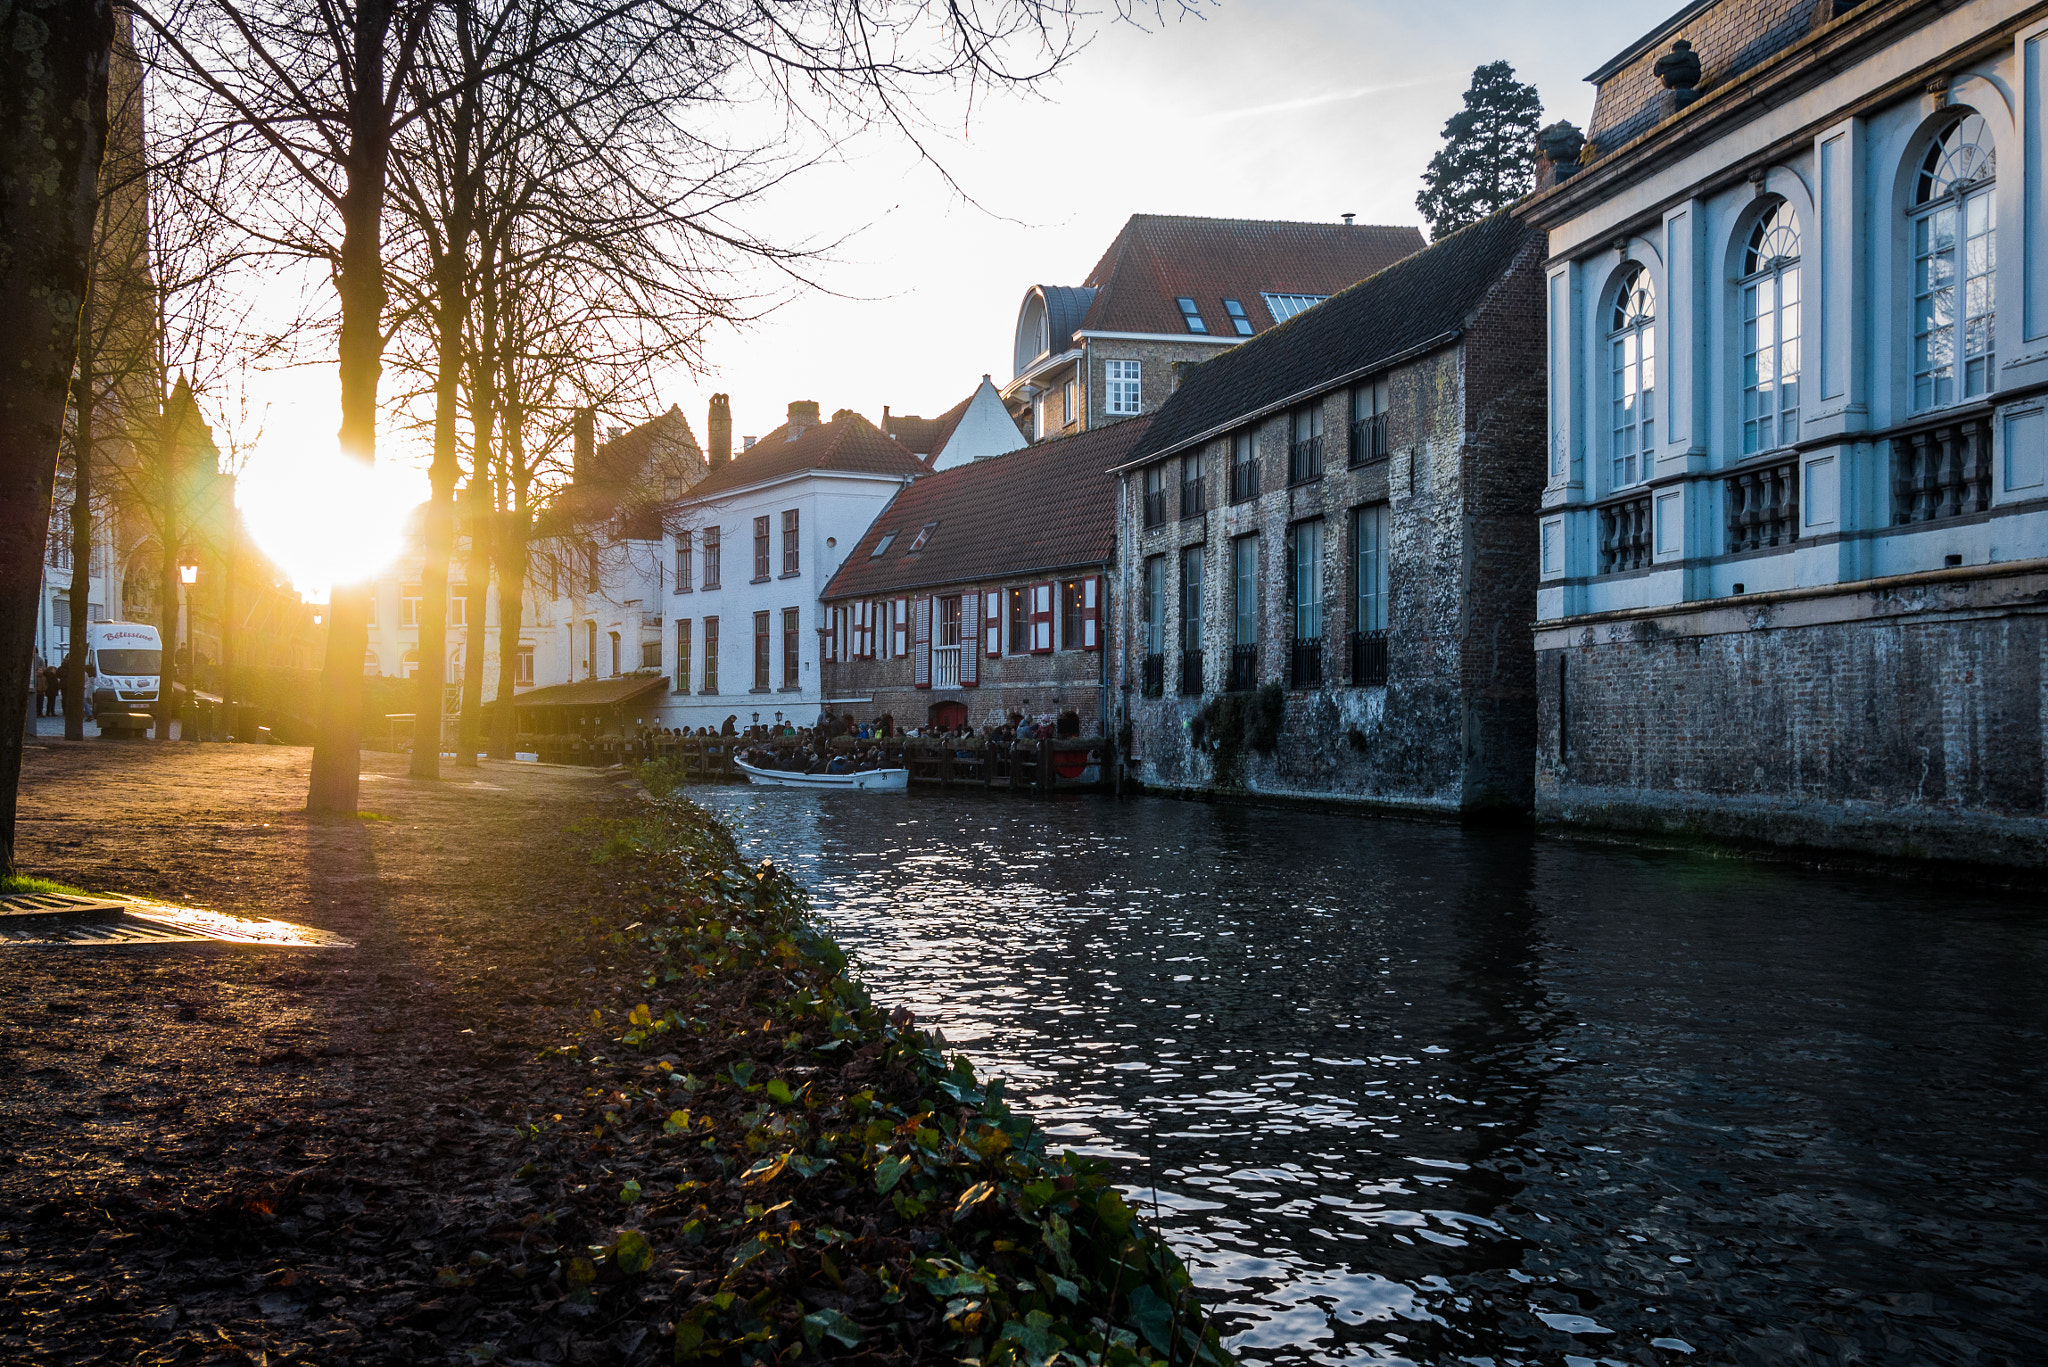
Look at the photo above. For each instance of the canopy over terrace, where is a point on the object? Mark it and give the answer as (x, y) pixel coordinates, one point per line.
(593, 707)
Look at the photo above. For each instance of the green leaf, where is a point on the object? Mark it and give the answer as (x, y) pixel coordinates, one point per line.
(743, 1073)
(974, 1196)
(641, 1015)
(1152, 1315)
(631, 1254)
(582, 1270)
(824, 1324)
(677, 1122)
(629, 1193)
(1064, 1288)
(778, 1091)
(889, 1172)
(1115, 1215)
(1034, 1339)
(768, 1169)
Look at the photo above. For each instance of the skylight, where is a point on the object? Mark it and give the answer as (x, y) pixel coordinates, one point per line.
(1238, 319)
(882, 545)
(1191, 315)
(1285, 306)
(924, 534)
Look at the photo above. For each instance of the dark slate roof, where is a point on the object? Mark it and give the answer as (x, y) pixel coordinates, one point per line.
(1728, 36)
(925, 436)
(1042, 509)
(593, 692)
(1159, 257)
(1065, 307)
(1412, 306)
(848, 443)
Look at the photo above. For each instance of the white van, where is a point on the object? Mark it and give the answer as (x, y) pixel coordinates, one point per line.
(124, 665)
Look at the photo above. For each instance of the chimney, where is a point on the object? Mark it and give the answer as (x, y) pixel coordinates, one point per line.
(584, 424)
(803, 416)
(720, 430)
(1347, 218)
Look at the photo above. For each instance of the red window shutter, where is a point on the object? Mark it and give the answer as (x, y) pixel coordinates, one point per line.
(992, 621)
(1041, 619)
(922, 669)
(970, 632)
(1091, 612)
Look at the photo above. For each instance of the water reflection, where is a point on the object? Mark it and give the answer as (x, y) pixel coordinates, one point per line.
(1405, 1094)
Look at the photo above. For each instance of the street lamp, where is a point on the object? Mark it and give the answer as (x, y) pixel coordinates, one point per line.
(188, 574)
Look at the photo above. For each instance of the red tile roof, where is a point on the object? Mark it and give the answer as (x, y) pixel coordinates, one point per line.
(1042, 509)
(1160, 257)
(926, 436)
(848, 443)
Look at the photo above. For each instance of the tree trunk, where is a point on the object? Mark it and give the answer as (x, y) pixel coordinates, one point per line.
(226, 728)
(53, 133)
(468, 724)
(167, 569)
(81, 525)
(440, 544)
(336, 776)
(511, 589)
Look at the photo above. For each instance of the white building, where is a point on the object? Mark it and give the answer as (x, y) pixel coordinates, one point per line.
(747, 552)
(1792, 543)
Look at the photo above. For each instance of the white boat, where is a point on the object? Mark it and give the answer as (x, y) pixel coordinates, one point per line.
(869, 780)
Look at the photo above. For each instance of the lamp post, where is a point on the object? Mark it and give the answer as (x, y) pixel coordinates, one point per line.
(188, 575)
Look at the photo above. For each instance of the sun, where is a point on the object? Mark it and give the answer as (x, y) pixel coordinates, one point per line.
(323, 518)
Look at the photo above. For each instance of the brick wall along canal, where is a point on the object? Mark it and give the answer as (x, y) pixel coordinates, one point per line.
(1418, 1095)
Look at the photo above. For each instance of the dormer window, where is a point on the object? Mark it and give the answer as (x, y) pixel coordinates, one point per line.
(882, 545)
(1238, 318)
(924, 534)
(1191, 315)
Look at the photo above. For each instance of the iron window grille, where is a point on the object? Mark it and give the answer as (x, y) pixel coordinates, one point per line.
(1369, 441)
(1192, 503)
(1191, 673)
(1305, 669)
(1305, 452)
(1244, 668)
(1369, 658)
(1155, 676)
(1244, 469)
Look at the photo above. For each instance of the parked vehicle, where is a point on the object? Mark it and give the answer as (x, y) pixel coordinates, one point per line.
(123, 669)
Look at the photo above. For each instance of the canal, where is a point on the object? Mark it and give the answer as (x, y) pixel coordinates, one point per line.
(1399, 1092)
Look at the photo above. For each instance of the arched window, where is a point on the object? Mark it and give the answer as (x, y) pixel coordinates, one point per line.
(372, 666)
(409, 665)
(1954, 266)
(1770, 332)
(1632, 347)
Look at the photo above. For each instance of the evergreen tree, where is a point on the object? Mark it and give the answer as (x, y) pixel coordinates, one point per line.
(1484, 164)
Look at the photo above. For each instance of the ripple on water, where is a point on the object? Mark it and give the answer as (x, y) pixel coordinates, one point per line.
(1403, 1093)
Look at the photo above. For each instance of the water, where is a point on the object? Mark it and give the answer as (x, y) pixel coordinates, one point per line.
(1409, 1094)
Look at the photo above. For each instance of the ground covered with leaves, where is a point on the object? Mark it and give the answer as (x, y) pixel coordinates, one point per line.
(548, 1110)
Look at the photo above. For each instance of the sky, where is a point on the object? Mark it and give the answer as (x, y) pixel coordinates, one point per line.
(1274, 109)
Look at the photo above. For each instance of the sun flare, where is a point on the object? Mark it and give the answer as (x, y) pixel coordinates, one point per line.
(323, 518)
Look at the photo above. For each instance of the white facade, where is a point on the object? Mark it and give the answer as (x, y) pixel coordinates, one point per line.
(1804, 342)
(986, 429)
(812, 519)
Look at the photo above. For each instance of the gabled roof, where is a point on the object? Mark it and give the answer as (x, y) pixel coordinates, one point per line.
(1413, 306)
(628, 475)
(925, 436)
(1160, 257)
(1043, 509)
(627, 458)
(848, 443)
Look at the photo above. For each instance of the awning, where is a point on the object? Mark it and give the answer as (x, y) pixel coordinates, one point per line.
(588, 693)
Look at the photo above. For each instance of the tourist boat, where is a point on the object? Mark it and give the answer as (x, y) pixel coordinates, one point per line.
(867, 780)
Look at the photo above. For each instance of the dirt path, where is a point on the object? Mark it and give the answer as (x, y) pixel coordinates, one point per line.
(155, 1102)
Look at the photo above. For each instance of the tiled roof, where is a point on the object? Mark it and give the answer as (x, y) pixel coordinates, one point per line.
(625, 458)
(926, 436)
(1728, 36)
(1044, 508)
(1421, 300)
(625, 478)
(1160, 257)
(848, 443)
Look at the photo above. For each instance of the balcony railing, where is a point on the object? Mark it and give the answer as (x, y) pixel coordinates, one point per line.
(1942, 471)
(1244, 481)
(1305, 460)
(1191, 673)
(1192, 504)
(1155, 676)
(1763, 507)
(1305, 668)
(945, 666)
(1625, 535)
(1368, 658)
(1244, 668)
(1155, 508)
(1369, 440)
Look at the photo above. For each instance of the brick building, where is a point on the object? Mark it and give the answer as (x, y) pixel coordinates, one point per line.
(980, 591)
(1171, 292)
(1337, 513)
(1794, 539)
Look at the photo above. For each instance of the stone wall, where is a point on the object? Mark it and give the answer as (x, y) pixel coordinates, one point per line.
(1902, 718)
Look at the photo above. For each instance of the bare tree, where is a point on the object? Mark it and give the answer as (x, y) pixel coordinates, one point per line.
(53, 133)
